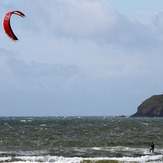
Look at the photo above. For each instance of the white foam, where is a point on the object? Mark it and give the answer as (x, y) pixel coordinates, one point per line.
(5, 159)
(29, 157)
(56, 159)
(43, 124)
(23, 120)
(120, 148)
(140, 159)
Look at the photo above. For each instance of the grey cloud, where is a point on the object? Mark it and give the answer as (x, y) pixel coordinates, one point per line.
(41, 69)
(158, 20)
(39, 76)
(72, 18)
(7, 53)
(18, 74)
(103, 59)
(95, 20)
(132, 35)
(158, 24)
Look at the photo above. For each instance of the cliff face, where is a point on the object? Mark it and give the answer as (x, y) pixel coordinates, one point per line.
(152, 107)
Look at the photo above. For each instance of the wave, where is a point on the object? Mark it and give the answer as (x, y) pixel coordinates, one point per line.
(116, 154)
(60, 159)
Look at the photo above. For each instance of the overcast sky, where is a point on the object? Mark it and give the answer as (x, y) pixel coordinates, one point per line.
(80, 57)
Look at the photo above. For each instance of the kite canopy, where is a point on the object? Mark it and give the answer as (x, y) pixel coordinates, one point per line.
(7, 26)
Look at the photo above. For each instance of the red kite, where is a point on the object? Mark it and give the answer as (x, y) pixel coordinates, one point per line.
(6, 24)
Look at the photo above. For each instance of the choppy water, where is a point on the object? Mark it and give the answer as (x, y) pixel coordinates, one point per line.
(80, 139)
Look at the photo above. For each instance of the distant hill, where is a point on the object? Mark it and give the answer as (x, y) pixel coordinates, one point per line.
(152, 107)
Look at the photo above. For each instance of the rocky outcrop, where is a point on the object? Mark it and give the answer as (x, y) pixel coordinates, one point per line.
(152, 107)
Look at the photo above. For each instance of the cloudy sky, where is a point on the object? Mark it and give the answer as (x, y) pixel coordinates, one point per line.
(80, 57)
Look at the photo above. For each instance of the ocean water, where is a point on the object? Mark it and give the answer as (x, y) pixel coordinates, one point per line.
(80, 139)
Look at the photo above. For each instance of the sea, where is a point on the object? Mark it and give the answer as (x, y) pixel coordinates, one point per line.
(80, 139)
